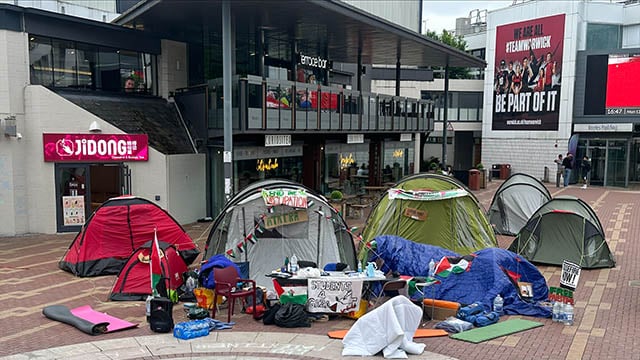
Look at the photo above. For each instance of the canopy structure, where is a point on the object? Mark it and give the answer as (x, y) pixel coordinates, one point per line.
(274, 219)
(432, 209)
(564, 228)
(515, 201)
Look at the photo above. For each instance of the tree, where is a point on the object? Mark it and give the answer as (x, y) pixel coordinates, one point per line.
(456, 41)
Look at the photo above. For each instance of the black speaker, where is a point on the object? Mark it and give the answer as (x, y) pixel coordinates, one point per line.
(161, 315)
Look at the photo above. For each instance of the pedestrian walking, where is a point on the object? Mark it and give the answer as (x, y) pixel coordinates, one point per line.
(586, 171)
(560, 170)
(567, 163)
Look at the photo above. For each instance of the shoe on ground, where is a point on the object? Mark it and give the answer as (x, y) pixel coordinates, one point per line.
(584, 186)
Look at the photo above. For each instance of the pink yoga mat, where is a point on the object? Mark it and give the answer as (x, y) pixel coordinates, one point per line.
(115, 324)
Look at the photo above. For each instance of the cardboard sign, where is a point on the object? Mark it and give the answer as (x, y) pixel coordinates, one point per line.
(287, 197)
(415, 214)
(561, 295)
(337, 295)
(275, 220)
(526, 289)
(570, 275)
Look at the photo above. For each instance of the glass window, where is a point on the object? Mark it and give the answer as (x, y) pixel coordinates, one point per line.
(87, 56)
(64, 64)
(603, 36)
(40, 61)
(131, 73)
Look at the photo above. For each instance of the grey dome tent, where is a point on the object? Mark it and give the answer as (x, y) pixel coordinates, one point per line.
(565, 228)
(274, 219)
(515, 201)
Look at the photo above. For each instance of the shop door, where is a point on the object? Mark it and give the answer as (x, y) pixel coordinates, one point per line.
(73, 197)
(634, 167)
(617, 163)
(598, 161)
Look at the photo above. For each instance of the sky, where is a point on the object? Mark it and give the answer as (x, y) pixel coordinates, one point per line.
(442, 14)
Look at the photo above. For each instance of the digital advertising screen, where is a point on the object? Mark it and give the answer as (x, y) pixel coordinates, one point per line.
(528, 68)
(623, 77)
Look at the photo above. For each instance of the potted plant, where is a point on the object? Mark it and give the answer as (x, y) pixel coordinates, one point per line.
(336, 195)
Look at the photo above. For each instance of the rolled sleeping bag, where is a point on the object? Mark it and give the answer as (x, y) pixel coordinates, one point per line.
(63, 314)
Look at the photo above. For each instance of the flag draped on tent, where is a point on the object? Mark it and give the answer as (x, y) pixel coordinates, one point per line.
(156, 266)
(455, 265)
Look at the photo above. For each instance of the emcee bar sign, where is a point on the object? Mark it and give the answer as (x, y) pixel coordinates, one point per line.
(95, 147)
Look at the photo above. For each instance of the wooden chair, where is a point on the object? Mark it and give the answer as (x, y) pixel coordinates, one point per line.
(227, 280)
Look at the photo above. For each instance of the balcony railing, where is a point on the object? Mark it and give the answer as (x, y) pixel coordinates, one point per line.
(266, 104)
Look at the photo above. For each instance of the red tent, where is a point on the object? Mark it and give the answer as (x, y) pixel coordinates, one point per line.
(134, 280)
(116, 229)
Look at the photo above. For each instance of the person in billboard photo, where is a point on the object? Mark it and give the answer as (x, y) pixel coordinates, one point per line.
(527, 74)
(502, 78)
(516, 80)
(555, 76)
(540, 83)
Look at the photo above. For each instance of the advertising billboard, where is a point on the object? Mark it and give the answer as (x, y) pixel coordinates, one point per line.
(95, 147)
(623, 75)
(528, 68)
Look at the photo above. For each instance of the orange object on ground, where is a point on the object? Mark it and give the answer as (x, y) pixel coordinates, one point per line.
(442, 304)
(420, 333)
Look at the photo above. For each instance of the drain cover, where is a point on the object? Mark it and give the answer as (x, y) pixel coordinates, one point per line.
(634, 283)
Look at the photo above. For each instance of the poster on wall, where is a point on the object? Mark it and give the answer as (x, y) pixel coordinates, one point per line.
(528, 68)
(73, 210)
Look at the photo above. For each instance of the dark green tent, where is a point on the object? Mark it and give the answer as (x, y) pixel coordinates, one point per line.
(432, 209)
(565, 228)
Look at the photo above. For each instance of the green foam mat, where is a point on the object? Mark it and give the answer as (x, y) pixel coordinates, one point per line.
(496, 330)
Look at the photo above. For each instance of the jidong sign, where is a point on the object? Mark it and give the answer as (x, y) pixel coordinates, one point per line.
(95, 147)
(288, 197)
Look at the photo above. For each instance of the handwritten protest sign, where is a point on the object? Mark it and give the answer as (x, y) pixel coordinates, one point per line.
(327, 295)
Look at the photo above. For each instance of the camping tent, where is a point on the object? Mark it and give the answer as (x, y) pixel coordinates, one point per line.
(134, 280)
(516, 200)
(274, 219)
(489, 272)
(432, 209)
(565, 228)
(116, 229)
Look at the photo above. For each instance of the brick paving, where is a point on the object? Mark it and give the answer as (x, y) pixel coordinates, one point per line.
(606, 314)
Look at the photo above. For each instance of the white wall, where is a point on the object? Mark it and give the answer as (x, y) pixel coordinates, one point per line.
(405, 13)
(172, 67)
(412, 89)
(13, 77)
(99, 10)
(186, 177)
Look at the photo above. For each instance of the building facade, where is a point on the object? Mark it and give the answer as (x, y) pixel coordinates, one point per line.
(138, 107)
(568, 93)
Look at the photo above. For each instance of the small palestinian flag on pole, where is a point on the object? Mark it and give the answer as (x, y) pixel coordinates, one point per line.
(156, 266)
(251, 238)
(231, 253)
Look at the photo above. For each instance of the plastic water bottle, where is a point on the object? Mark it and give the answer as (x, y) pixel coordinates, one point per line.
(498, 303)
(191, 329)
(568, 310)
(432, 268)
(148, 306)
(359, 267)
(562, 315)
(555, 314)
(294, 264)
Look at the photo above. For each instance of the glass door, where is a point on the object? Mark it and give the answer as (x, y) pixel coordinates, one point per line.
(634, 171)
(616, 163)
(598, 161)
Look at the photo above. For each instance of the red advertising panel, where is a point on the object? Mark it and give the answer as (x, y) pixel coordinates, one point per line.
(527, 74)
(623, 74)
(95, 147)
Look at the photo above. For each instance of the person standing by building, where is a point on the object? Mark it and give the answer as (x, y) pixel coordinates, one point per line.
(567, 163)
(560, 170)
(586, 171)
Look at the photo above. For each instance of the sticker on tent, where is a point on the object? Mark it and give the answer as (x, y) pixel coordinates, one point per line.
(415, 214)
(570, 275)
(294, 217)
(288, 197)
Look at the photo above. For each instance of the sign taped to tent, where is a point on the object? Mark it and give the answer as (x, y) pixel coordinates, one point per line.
(275, 220)
(327, 295)
(288, 197)
(570, 275)
(415, 214)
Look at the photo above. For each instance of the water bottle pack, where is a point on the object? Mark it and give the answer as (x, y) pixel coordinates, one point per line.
(191, 329)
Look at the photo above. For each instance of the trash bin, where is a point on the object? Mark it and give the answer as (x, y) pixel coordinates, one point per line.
(474, 179)
(483, 178)
(495, 171)
(505, 171)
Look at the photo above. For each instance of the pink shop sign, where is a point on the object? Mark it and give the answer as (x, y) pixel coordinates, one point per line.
(95, 147)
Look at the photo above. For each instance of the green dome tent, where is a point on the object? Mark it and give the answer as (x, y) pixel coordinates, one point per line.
(565, 228)
(432, 209)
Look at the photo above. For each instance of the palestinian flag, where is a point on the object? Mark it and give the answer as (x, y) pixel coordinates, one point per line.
(156, 266)
(455, 265)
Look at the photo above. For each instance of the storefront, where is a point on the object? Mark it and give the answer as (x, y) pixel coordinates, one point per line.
(90, 169)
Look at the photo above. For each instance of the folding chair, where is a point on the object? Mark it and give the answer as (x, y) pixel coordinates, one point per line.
(389, 289)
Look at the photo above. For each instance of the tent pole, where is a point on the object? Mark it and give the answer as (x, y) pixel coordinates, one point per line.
(318, 241)
(244, 234)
